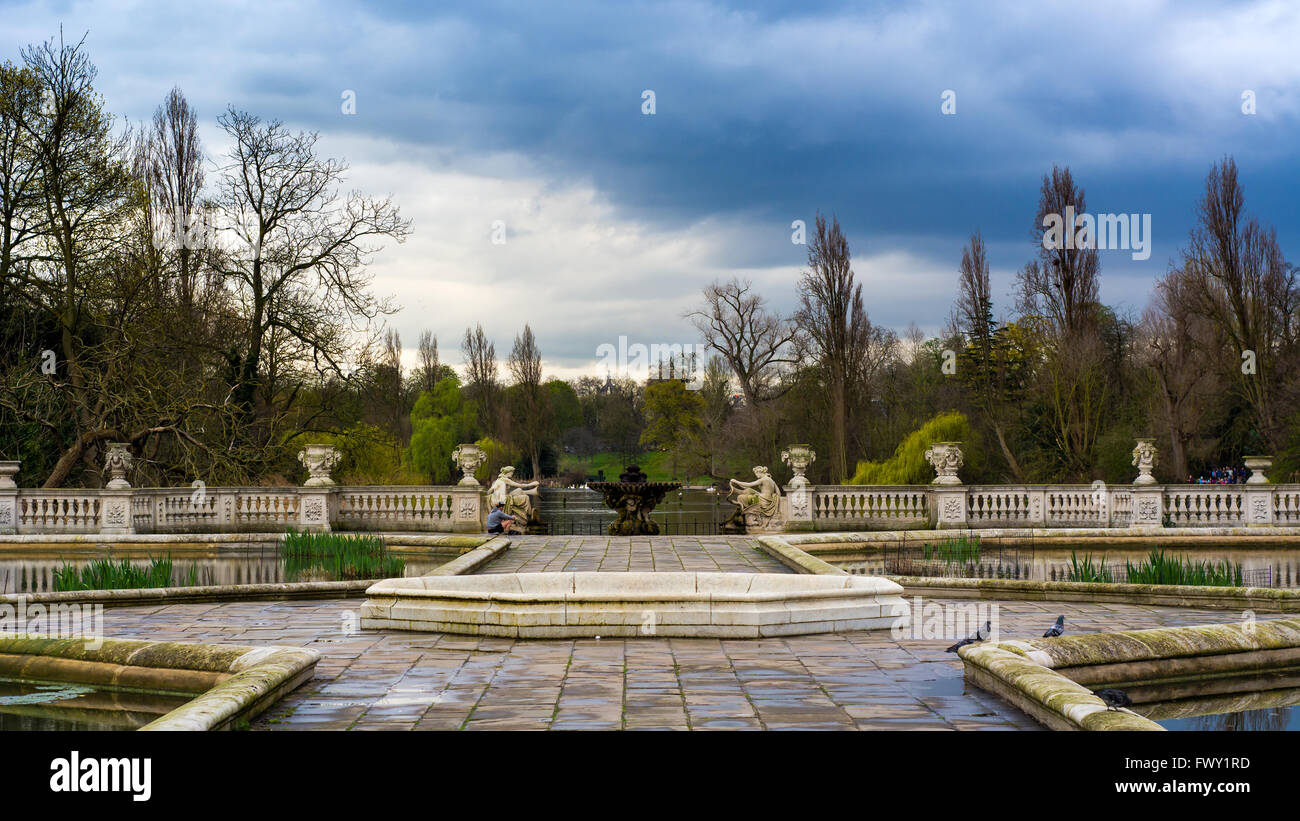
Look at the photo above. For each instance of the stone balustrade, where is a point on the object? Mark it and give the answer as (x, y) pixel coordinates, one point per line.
(321, 505)
(861, 507)
(437, 509)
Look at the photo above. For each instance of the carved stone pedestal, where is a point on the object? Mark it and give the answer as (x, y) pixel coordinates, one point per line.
(949, 506)
(8, 497)
(470, 510)
(314, 509)
(115, 513)
(1148, 506)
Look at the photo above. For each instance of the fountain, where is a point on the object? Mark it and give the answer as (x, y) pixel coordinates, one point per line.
(634, 499)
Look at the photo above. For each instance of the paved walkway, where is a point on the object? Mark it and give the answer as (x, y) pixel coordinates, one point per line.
(390, 680)
(536, 554)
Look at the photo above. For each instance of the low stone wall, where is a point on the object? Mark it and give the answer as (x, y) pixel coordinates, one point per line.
(841, 545)
(207, 540)
(1046, 677)
(583, 604)
(485, 549)
(800, 561)
(233, 683)
(1258, 599)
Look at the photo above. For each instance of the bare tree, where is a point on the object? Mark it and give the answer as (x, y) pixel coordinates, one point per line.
(1058, 298)
(86, 193)
(480, 355)
(427, 374)
(753, 342)
(986, 366)
(23, 223)
(299, 252)
(1060, 287)
(834, 330)
(392, 382)
(1249, 292)
(1176, 340)
(172, 167)
(532, 417)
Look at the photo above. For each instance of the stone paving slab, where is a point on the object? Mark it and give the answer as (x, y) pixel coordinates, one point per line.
(536, 554)
(388, 680)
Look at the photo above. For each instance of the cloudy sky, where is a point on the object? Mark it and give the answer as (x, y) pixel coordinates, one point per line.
(764, 113)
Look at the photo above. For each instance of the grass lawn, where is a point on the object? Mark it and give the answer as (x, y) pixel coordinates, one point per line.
(656, 465)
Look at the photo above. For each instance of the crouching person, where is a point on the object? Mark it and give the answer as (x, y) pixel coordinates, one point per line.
(498, 521)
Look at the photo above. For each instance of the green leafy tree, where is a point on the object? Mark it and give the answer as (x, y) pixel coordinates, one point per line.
(672, 417)
(440, 420)
(908, 465)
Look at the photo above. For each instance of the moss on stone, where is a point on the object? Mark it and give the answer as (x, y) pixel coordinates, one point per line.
(128, 652)
(1169, 642)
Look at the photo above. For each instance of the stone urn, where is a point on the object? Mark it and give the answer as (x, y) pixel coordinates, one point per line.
(117, 462)
(946, 459)
(468, 457)
(1257, 465)
(8, 470)
(798, 457)
(1145, 460)
(319, 461)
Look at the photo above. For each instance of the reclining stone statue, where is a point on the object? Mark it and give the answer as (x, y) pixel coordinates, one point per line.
(758, 503)
(520, 498)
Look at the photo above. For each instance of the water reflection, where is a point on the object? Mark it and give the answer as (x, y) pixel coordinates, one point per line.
(1259, 711)
(1261, 567)
(26, 706)
(688, 511)
(31, 571)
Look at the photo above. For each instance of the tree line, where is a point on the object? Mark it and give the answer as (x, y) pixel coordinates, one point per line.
(217, 313)
(1055, 389)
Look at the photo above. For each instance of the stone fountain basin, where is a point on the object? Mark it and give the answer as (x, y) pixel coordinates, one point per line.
(586, 604)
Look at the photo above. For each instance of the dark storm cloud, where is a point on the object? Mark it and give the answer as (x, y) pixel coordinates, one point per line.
(765, 112)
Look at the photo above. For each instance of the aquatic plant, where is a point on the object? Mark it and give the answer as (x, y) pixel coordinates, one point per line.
(338, 556)
(105, 574)
(1162, 569)
(956, 550)
(1086, 570)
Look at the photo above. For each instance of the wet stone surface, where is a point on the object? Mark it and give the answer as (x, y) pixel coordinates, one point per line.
(390, 680)
(713, 554)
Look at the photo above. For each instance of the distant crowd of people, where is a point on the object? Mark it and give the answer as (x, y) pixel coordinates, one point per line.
(1222, 476)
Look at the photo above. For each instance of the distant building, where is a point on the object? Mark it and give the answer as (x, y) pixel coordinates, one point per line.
(608, 387)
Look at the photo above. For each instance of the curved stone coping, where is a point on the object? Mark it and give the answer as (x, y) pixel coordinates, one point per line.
(1054, 700)
(848, 541)
(591, 586)
(800, 561)
(244, 680)
(559, 605)
(1161, 643)
(474, 559)
(1260, 599)
(258, 679)
(136, 596)
(132, 597)
(1045, 677)
(460, 541)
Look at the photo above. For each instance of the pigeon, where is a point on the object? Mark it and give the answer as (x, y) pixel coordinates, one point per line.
(1056, 629)
(979, 635)
(1115, 698)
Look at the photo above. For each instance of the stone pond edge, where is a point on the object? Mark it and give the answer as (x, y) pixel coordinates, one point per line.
(248, 679)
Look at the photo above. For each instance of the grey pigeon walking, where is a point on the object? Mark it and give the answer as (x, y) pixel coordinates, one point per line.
(981, 634)
(1114, 698)
(1056, 629)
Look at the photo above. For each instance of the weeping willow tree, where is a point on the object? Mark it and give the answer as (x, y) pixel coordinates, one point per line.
(908, 465)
